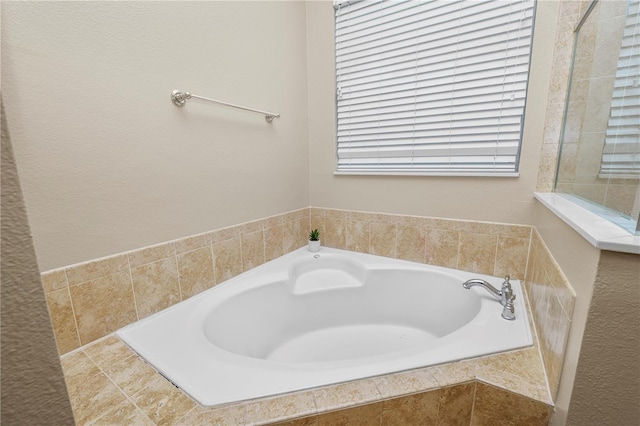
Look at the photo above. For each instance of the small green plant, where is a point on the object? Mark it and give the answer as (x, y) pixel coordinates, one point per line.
(314, 235)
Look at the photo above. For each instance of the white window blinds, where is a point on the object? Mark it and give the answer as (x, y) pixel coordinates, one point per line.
(431, 87)
(621, 152)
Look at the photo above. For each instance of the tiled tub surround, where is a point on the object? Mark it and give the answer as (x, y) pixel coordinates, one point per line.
(552, 300)
(110, 385)
(93, 299)
(90, 300)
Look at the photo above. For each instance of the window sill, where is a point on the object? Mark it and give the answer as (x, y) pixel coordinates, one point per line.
(601, 233)
(416, 173)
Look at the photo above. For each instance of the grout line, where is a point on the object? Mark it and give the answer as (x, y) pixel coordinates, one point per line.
(458, 249)
(495, 255)
(175, 258)
(526, 266)
(133, 290)
(473, 403)
(73, 311)
(241, 254)
(213, 264)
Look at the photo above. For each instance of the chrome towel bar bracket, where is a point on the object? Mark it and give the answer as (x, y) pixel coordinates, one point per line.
(179, 98)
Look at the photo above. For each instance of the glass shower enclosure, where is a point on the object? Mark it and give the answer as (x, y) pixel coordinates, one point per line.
(599, 160)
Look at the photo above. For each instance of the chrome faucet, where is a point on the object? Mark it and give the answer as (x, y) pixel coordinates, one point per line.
(505, 296)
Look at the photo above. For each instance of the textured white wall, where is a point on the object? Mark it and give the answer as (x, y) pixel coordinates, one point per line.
(507, 200)
(108, 163)
(33, 387)
(607, 381)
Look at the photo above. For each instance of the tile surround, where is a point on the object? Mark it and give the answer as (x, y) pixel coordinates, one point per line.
(198, 262)
(109, 384)
(106, 294)
(552, 299)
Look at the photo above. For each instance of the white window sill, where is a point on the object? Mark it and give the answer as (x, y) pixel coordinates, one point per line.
(601, 233)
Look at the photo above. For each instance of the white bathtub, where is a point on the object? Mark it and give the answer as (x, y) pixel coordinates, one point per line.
(311, 319)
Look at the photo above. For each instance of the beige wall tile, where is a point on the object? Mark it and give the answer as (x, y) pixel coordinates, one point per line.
(421, 221)
(281, 408)
(498, 378)
(124, 414)
(336, 213)
(358, 236)
(391, 219)
(477, 253)
(495, 406)
(305, 228)
(511, 257)
(383, 239)
(442, 247)
(195, 269)
(292, 233)
(233, 415)
(63, 320)
(271, 221)
(456, 372)
(193, 242)
(227, 259)
(107, 350)
(335, 233)
(103, 305)
(295, 215)
(317, 211)
(346, 394)
(249, 227)
(91, 393)
(456, 404)
(131, 374)
(156, 286)
(273, 242)
(410, 243)
(316, 222)
(54, 280)
(549, 293)
(252, 250)
(524, 363)
(365, 415)
(163, 402)
(224, 234)
(151, 254)
(418, 409)
(307, 421)
(84, 272)
(404, 383)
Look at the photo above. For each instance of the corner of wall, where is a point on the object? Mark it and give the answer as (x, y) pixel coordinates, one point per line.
(33, 387)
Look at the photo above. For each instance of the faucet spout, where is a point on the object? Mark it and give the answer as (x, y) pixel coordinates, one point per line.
(505, 295)
(482, 283)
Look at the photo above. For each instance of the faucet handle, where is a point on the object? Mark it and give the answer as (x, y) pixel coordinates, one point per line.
(507, 292)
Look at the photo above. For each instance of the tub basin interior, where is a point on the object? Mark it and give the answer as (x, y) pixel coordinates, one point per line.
(382, 314)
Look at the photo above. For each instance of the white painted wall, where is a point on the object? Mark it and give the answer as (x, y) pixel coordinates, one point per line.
(108, 163)
(498, 199)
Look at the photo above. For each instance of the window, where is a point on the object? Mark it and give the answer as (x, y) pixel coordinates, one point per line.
(431, 87)
(621, 152)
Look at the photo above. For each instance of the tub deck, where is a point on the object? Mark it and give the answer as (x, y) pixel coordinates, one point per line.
(109, 384)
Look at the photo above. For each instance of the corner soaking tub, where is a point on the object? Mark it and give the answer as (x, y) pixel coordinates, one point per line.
(311, 319)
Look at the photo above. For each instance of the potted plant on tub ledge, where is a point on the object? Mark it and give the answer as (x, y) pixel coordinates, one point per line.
(314, 241)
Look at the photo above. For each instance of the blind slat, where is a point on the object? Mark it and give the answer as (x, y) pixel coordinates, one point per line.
(621, 151)
(431, 86)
